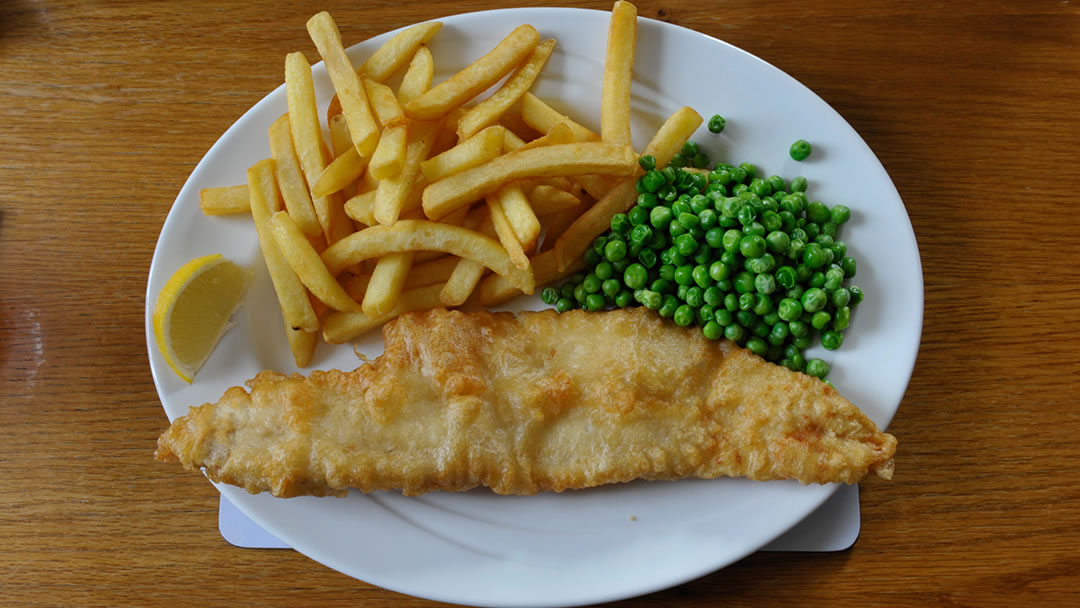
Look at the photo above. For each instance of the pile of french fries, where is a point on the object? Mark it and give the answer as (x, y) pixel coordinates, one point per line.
(429, 199)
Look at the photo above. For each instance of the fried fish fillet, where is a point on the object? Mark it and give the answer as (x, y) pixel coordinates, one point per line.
(530, 403)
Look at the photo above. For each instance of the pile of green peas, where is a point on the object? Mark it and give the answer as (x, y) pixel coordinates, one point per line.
(747, 258)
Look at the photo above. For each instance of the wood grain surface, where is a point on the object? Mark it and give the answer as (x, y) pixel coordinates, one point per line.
(106, 107)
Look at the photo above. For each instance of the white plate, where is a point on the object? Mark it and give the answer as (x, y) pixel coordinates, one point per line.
(607, 543)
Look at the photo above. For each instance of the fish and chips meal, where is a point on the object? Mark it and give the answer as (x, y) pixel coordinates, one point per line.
(683, 296)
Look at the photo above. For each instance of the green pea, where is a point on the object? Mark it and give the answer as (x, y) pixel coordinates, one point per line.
(757, 346)
(847, 263)
(779, 333)
(662, 286)
(611, 287)
(638, 215)
(818, 212)
(705, 313)
(669, 173)
(652, 180)
(604, 270)
(719, 271)
(592, 283)
(763, 264)
(731, 302)
(567, 290)
(713, 296)
(799, 329)
(675, 257)
(800, 150)
(839, 248)
(834, 277)
(761, 329)
(817, 368)
(752, 246)
(683, 316)
(668, 307)
(814, 256)
(615, 251)
(812, 230)
(817, 279)
(620, 266)
(763, 304)
(856, 295)
(717, 123)
(563, 304)
(744, 282)
(620, 224)
(647, 162)
(684, 275)
(700, 160)
(677, 161)
(777, 183)
(785, 277)
(686, 244)
(801, 341)
(580, 293)
(713, 330)
(647, 257)
(667, 193)
(651, 299)
(747, 301)
(660, 217)
(814, 300)
(635, 276)
(765, 283)
(820, 320)
(789, 309)
(694, 296)
(760, 187)
(748, 170)
(594, 302)
(708, 221)
(746, 215)
(549, 295)
(830, 229)
(824, 240)
(689, 148)
(667, 272)
(842, 318)
(841, 214)
(840, 298)
(771, 317)
(832, 340)
(701, 276)
(734, 332)
(624, 298)
(724, 317)
(798, 184)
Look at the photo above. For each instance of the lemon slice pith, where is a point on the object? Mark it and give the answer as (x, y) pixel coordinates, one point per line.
(192, 310)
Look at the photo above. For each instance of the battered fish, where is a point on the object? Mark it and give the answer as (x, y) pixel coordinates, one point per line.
(530, 403)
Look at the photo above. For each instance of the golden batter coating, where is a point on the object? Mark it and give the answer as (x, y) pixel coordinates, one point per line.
(530, 403)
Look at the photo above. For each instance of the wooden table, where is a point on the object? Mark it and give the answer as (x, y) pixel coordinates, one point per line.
(971, 106)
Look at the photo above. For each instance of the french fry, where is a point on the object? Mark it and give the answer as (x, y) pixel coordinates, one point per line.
(467, 273)
(511, 141)
(505, 232)
(390, 154)
(343, 171)
(422, 235)
(495, 289)
(302, 344)
(309, 145)
(559, 134)
(386, 282)
(362, 208)
(545, 199)
(392, 193)
(341, 327)
(386, 105)
(482, 147)
(665, 143)
(291, 293)
(541, 117)
(390, 57)
(418, 77)
(332, 110)
(307, 264)
(476, 77)
(436, 270)
(448, 194)
(519, 214)
(224, 200)
(291, 182)
(618, 74)
(341, 142)
(354, 104)
(489, 111)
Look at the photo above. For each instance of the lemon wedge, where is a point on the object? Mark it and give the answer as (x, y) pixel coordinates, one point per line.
(192, 311)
